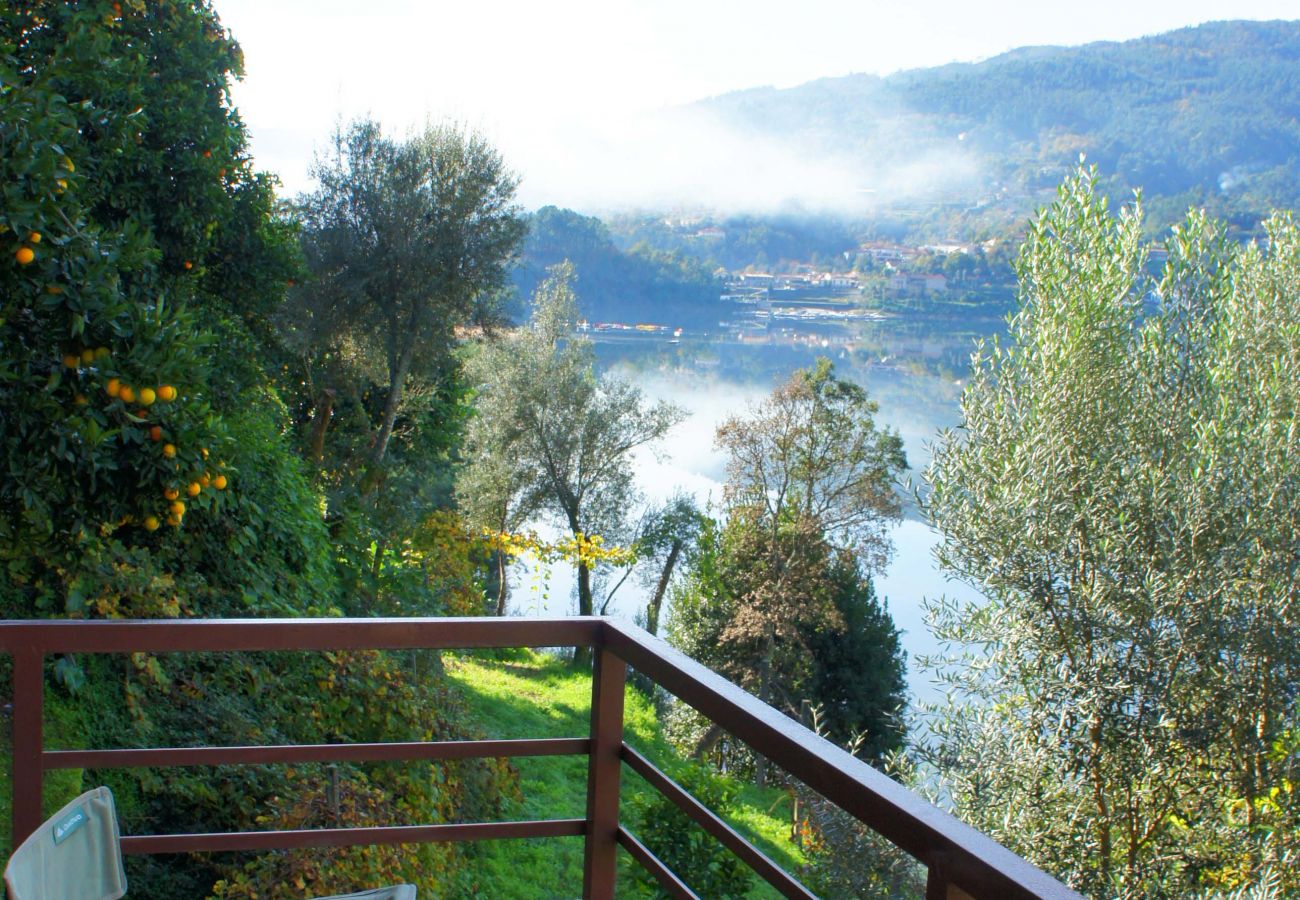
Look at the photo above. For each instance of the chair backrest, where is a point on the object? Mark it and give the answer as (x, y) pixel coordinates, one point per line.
(75, 855)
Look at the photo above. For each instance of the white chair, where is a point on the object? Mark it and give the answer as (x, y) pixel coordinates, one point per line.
(77, 855)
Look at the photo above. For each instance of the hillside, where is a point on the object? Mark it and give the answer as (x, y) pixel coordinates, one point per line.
(628, 284)
(532, 695)
(1207, 115)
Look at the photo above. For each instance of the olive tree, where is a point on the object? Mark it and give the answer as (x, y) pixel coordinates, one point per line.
(1122, 490)
(553, 437)
(406, 240)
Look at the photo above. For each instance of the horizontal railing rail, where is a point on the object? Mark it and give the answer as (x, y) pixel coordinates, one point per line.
(308, 753)
(961, 861)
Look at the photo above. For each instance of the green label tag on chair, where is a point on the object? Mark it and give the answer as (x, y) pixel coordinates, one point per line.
(68, 824)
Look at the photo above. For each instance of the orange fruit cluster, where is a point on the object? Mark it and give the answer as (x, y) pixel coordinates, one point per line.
(176, 505)
(147, 396)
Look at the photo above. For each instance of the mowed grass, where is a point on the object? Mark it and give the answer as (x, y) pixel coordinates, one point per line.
(535, 695)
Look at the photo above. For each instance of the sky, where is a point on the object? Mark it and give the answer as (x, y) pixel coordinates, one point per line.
(574, 92)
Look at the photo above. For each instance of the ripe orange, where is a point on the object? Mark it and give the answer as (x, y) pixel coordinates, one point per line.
(34, 237)
(169, 450)
(188, 264)
(53, 289)
(71, 361)
(87, 357)
(167, 393)
(171, 494)
(147, 396)
(207, 154)
(219, 482)
(155, 433)
(174, 520)
(150, 523)
(205, 479)
(194, 489)
(126, 394)
(24, 255)
(204, 451)
(178, 507)
(62, 186)
(113, 388)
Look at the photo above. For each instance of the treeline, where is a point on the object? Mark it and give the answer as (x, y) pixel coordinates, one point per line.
(1225, 95)
(743, 240)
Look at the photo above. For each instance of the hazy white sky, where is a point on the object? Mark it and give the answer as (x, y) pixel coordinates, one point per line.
(562, 86)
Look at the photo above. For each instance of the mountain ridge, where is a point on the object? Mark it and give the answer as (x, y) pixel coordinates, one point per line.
(1209, 114)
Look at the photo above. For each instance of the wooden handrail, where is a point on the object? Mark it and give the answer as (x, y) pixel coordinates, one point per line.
(962, 862)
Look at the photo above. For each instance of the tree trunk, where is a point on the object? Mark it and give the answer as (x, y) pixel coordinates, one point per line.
(582, 655)
(503, 586)
(376, 566)
(656, 602)
(764, 694)
(321, 423)
(397, 382)
(707, 742)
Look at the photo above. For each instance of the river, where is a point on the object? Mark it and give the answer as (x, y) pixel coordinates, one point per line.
(913, 367)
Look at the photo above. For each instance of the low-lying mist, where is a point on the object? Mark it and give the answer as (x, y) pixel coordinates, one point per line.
(695, 158)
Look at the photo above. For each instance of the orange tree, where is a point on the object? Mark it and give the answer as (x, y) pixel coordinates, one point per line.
(143, 465)
(130, 222)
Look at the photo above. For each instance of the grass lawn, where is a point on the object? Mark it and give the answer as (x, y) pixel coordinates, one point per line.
(533, 695)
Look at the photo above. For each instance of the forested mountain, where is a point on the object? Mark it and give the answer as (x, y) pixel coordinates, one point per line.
(1207, 115)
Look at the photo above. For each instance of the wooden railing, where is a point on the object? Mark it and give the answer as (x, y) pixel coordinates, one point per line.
(961, 861)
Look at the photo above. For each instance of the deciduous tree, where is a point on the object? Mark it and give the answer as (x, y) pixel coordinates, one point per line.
(810, 491)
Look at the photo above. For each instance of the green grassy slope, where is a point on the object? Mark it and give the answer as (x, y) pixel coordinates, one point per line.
(531, 695)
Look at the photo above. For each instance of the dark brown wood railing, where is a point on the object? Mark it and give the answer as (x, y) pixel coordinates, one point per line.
(961, 861)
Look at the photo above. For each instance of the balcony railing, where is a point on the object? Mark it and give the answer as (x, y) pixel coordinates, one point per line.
(961, 861)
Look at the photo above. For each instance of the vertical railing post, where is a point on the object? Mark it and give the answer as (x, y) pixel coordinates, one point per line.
(600, 860)
(28, 713)
(938, 883)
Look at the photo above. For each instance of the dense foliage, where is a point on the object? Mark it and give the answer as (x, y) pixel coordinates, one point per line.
(691, 853)
(149, 462)
(127, 202)
(1123, 492)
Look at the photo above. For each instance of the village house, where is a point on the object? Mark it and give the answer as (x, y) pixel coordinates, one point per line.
(917, 283)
